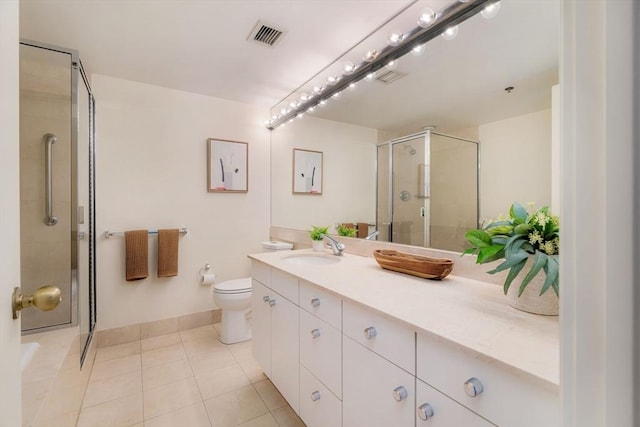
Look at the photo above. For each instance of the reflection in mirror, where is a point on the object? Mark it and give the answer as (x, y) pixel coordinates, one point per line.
(456, 85)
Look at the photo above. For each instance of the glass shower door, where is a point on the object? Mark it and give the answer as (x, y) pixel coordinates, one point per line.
(410, 203)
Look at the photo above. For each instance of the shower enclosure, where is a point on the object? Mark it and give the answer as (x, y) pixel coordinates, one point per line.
(57, 199)
(427, 190)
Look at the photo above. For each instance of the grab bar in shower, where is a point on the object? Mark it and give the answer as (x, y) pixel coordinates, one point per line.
(49, 140)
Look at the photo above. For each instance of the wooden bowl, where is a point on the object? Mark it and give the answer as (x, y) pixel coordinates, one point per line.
(416, 265)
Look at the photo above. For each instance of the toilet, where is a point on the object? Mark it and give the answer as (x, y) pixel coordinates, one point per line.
(233, 297)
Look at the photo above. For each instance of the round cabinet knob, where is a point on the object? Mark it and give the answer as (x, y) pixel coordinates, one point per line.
(315, 333)
(315, 396)
(266, 298)
(425, 411)
(370, 332)
(272, 302)
(315, 302)
(473, 387)
(400, 393)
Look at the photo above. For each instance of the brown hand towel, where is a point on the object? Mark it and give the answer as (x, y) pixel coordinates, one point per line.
(137, 249)
(363, 230)
(168, 252)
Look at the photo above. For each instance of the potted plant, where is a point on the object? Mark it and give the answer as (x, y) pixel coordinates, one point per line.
(528, 241)
(343, 230)
(317, 235)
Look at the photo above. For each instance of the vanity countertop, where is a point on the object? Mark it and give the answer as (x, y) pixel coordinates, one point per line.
(470, 313)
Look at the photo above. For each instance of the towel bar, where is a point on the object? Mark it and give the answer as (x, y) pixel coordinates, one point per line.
(109, 234)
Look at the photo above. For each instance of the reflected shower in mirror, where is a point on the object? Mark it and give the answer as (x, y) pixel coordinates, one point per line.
(454, 87)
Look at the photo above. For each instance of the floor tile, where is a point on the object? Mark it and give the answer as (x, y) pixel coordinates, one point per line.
(117, 351)
(265, 420)
(160, 341)
(270, 395)
(163, 355)
(61, 420)
(242, 350)
(115, 367)
(124, 411)
(236, 407)
(208, 361)
(189, 416)
(221, 381)
(103, 390)
(170, 397)
(286, 417)
(252, 370)
(204, 344)
(166, 373)
(198, 333)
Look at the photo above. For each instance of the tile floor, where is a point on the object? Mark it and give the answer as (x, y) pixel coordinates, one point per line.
(185, 379)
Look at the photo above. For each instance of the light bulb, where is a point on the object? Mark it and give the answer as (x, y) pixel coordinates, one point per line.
(304, 97)
(370, 55)
(395, 38)
(283, 111)
(336, 95)
(369, 77)
(427, 17)
(293, 104)
(311, 109)
(391, 65)
(491, 10)
(300, 115)
(318, 89)
(267, 122)
(333, 79)
(353, 86)
(323, 103)
(450, 33)
(349, 68)
(418, 50)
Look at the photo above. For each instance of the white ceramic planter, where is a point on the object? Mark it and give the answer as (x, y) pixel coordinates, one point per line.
(531, 301)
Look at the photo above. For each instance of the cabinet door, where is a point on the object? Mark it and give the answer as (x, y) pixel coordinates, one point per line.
(318, 406)
(261, 325)
(376, 393)
(284, 349)
(434, 409)
(321, 351)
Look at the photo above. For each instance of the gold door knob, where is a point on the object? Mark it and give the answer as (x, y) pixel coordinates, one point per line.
(45, 298)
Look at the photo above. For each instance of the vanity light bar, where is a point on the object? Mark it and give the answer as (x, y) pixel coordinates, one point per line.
(451, 15)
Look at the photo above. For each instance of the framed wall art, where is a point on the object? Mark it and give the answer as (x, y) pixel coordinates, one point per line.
(227, 166)
(307, 172)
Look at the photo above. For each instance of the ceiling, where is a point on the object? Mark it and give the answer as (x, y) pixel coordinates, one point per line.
(201, 46)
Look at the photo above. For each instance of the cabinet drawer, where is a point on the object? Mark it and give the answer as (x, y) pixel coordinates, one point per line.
(321, 351)
(318, 406)
(261, 272)
(376, 393)
(434, 409)
(321, 304)
(506, 399)
(387, 337)
(285, 284)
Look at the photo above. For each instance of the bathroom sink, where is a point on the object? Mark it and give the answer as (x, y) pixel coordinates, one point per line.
(311, 259)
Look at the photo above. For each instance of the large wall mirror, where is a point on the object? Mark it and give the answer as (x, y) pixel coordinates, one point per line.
(486, 96)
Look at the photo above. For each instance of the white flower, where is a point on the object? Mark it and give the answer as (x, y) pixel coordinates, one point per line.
(535, 237)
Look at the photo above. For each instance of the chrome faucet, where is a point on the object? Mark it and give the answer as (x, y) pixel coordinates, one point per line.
(372, 235)
(336, 246)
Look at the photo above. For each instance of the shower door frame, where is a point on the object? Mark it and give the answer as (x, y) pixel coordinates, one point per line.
(427, 158)
(78, 75)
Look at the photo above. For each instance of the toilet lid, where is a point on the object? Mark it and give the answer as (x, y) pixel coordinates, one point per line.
(234, 286)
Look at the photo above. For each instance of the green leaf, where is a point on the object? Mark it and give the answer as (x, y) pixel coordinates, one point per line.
(469, 251)
(490, 253)
(478, 238)
(513, 245)
(518, 211)
(551, 269)
(522, 228)
(497, 224)
(539, 261)
(510, 262)
(512, 274)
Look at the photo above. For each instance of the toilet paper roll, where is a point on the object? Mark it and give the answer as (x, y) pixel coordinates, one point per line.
(208, 278)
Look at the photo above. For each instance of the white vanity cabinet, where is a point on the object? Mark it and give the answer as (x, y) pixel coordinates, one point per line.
(485, 387)
(276, 330)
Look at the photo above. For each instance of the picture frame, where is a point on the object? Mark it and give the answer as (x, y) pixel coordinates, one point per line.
(227, 166)
(307, 172)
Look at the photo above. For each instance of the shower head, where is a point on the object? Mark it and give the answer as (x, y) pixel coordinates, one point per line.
(412, 150)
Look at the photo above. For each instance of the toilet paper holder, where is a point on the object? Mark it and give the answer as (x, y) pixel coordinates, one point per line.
(204, 269)
(206, 276)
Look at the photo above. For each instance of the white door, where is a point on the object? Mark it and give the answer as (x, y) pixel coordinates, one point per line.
(10, 381)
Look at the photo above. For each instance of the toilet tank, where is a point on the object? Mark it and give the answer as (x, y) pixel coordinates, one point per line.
(274, 245)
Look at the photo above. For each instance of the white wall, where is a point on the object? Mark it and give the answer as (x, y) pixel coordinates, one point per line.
(349, 182)
(151, 173)
(515, 163)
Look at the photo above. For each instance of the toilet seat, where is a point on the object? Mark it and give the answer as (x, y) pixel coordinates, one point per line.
(235, 286)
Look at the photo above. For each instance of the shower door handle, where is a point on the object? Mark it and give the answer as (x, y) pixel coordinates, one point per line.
(49, 140)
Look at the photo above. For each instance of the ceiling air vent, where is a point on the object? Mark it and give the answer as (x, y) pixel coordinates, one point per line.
(389, 77)
(266, 34)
